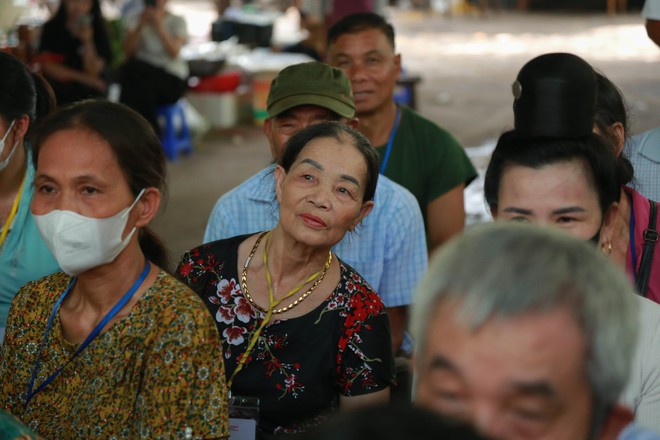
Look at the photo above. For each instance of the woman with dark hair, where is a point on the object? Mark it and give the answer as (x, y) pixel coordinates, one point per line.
(629, 245)
(551, 129)
(23, 254)
(75, 51)
(565, 182)
(113, 345)
(303, 332)
(554, 169)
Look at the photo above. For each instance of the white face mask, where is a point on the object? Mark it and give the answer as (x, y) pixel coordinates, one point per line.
(6, 160)
(81, 243)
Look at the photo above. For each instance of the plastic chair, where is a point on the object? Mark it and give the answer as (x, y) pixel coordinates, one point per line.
(405, 90)
(175, 135)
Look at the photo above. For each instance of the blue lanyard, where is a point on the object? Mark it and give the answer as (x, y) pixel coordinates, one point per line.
(122, 302)
(632, 238)
(390, 141)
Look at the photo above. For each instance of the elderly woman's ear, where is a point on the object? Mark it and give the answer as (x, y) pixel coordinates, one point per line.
(364, 211)
(280, 174)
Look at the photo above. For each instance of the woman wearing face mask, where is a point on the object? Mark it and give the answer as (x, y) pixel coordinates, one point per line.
(23, 254)
(553, 170)
(113, 345)
(303, 332)
(76, 51)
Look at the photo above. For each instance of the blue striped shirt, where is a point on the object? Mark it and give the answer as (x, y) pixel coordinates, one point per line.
(643, 150)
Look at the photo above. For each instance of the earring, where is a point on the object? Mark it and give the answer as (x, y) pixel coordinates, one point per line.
(607, 251)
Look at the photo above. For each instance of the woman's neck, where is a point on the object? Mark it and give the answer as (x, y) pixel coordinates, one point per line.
(377, 126)
(99, 289)
(289, 261)
(621, 231)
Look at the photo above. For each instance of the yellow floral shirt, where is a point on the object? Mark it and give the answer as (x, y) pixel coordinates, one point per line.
(158, 373)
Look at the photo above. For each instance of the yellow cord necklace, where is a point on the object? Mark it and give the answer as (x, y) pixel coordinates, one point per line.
(272, 301)
(12, 214)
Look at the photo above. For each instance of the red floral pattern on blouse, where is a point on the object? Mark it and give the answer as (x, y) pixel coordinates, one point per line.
(298, 367)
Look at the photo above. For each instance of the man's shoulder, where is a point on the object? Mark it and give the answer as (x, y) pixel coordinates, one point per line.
(424, 131)
(395, 210)
(249, 207)
(419, 121)
(651, 9)
(391, 196)
(259, 187)
(175, 20)
(649, 317)
(636, 432)
(648, 144)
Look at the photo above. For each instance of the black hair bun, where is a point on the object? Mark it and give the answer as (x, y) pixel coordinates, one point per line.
(555, 96)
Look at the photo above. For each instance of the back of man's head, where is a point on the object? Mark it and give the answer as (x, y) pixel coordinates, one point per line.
(360, 22)
(507, 271)
(312, 83)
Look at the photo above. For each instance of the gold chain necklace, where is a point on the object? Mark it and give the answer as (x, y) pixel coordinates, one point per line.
(246, 292)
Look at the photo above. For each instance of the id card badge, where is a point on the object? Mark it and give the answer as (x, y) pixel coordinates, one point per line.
(243, 417)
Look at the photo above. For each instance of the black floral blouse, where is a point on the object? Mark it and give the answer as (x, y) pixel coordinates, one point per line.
(299, 366)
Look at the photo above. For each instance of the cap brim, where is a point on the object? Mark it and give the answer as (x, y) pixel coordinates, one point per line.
(335, 105)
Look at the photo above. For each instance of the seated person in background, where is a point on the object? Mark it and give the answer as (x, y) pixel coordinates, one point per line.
(553, 170)
(415, 152)
(76, 51)
(643, 151)
(304, 355)
(154, 74)
(526, 333)
(388, 248)
(318, 16)
(24, 256)
(113, 346)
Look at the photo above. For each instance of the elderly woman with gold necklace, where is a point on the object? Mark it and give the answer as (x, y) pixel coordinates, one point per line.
(301, 330)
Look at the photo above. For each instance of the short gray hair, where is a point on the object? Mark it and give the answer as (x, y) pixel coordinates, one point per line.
(508, 270)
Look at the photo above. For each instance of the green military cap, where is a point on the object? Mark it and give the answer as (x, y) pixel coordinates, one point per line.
(312, 83)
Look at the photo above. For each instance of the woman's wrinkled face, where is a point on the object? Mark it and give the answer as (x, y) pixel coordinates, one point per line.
(559, 195)
(78, 171)
(321, 196)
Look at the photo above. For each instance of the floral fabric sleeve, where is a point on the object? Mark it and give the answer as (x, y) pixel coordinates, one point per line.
(365, 361)
(184, 386)
(198, 270)
(16, 363)
(9, 362)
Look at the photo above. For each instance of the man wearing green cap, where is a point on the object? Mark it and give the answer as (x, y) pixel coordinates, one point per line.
(388, 249)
